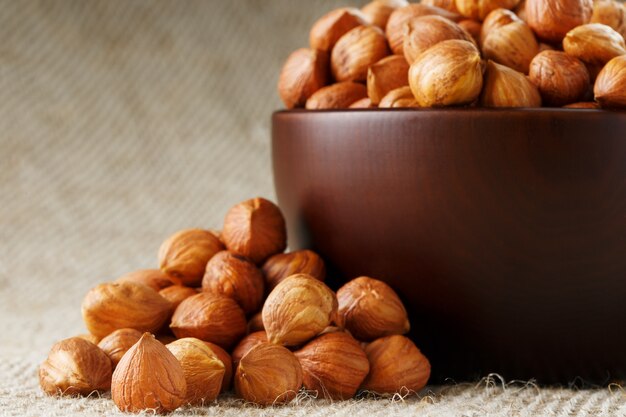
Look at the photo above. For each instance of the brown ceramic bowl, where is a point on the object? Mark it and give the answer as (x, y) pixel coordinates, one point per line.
(504, 231)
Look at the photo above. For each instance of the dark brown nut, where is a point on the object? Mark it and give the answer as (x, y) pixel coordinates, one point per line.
(117, 344)
(329, 28)
(355, 51)
(283, 265)
(304, 72)
(246, 344)
(560, 78)
(552, 19)
(337, 96)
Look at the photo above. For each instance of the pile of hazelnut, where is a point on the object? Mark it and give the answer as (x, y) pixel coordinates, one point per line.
(229, 308)
(483, 53)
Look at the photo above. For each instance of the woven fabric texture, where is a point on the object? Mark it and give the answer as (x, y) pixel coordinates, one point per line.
(123, 121)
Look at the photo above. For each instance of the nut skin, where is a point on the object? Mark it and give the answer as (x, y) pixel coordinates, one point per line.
(236, 277)
(305, 71)
(176, 294)
(202, 368)
(377, 12)
(117, 344)
(513, 45)
(610, 13)
(369, 309)
(594, 44)
(280, 266)
(255, 323)
(327, 30)
(387, 74)
(447, 74)
(560, 78)
(210, 317)
(472, 27)
(355, 51)
(364, 103)
(552, 19)
(75, 366)
(398, 98)
(90, 338)
(423, 32)
(298, 309)
(119, 305)
(334, 365)
(505, 87)
(255, 229)
(390, 374)
(153, 278)
(610, 86)
(268, 374)
(185, 254)
(148, 377)
(228, 365)
(496, 19)
(400, 16)
(337, 96)
(246, 344)
(479, 9)
(449, 5)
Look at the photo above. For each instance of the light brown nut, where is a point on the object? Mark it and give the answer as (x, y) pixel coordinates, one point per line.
(395, 364)
(355, 51)
(153, 278)
(398, 98)
(298, 309)
(117, 344)
(119, 305)
(610, 13)
(334, 365)
(560, 78)
(228, 365)
(513, 45)
(237, 277)
(176, 294)
(185, 254)
(447, 74)
(75, 366)
(610, 86)
(594, 44)
(479, 9)
(327, 30)
(552, 19)
(148, 377)
(370, 309)
(246, 344)
(505, 87)
(364, 103)
(496, 19)
(423, 32)
(210, 317)
(256, 229)
(202, 368)
(268, 374)
(377, 12)
(449, 5)
(337, 96)
(304, 72)
(280, 266)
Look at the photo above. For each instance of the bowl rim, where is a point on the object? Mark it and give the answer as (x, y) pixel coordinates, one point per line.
(460, 110)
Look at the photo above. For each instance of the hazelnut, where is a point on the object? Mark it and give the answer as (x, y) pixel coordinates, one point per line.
(479, 9)
(334, 365)
(496, 19)
(280, 266)
(304, 72)
(513, 45)
(228, 364)
(505, 87)
(355, 51)
(395, 364)
(119, 305)
(268, 374)
(185, 254)
(589, 105)
(148, 377)
(337, 96)
(369, 309)
(364, 103)
(610, 13)
(594, 44)
(520, 10)
(329, 28)
(153, 278)
(117, 344)
(610, 86)
(298, 309)
(398, 98)
(400, 16)
(387, 74)
(552, 19)
(176, 294)
(377, 12)
(202, 368)
(246, 344)
(255, 229)
(447, 74)
(210, 317)
(90, 338)
(473, 28)
(75, 366)
(449, 5)
(236, 277)
(561, 79)
(423, 32)
(255, 323)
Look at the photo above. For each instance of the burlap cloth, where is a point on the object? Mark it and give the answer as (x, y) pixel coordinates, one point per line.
(123, 121)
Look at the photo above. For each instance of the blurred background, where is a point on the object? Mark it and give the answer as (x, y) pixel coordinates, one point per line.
(120, 123)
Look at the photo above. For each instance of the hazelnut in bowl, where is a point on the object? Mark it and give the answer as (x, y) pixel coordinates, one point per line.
(503, 230)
